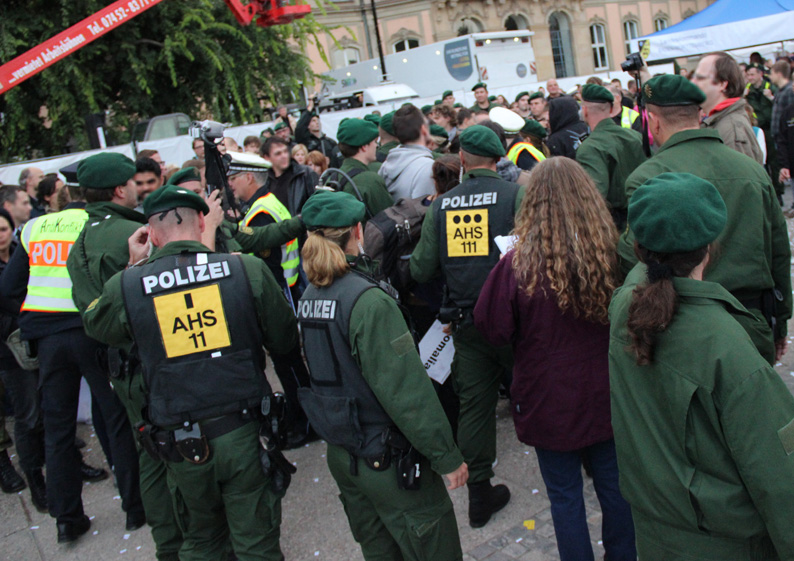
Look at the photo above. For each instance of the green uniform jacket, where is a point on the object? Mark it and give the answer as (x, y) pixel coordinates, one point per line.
(370, 184)
(754, 253)
(426, 258)
(261, 238)
(385, 352)
(609, 155)
(704, 434)
(106, 319)
(762, 107)
(388, 147)
(476, 107)
(101, 250)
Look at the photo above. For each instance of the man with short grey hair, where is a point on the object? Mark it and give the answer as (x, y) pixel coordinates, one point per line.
(29, 180)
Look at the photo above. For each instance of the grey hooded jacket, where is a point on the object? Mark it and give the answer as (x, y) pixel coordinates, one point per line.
(408, 173)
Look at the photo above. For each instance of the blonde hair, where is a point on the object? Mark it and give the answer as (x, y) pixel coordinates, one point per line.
(566, 233)
(299, 148)
(324, 255)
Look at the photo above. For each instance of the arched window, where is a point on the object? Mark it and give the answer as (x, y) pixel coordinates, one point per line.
(405, 44)
(599, 43)
(631, 30)
(470, 25)
(516, 22)
(345, 57)
(660, 23)
(561, 45)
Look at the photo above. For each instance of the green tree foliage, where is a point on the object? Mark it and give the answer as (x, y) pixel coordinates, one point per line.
(187, 56)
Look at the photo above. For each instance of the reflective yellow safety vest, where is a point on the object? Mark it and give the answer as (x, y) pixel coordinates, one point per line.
(290, 258)
(627, 117)
(516, 150)
(47, 240)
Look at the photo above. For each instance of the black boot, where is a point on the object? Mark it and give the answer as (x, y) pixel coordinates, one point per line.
(70, 531)
(38, 489)
(484, 501)
(92, 474)
(10, 480)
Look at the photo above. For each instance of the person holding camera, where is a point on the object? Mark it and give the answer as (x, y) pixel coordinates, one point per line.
(370, 398)
(200, 320)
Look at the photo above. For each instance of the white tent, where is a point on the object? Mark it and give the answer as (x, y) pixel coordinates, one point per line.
(723, 26)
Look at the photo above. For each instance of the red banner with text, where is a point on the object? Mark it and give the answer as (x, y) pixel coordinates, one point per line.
(65, 43)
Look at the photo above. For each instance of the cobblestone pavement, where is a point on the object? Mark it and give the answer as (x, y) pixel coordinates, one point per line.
(314, 526)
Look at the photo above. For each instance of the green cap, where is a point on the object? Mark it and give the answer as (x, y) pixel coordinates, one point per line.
(438, 102)
(676, 213)
(479, 85)
(596, 94)
(171, 197)
(332, 209)
(280, 125)
(373, 118)
(481, 141)
(458, 106)
(356, 132)
(520, 95)
(184, 175)
(534, 128)
(387, 123)
(491, 98)
(438, 130)
(427, 109)
(267, 130)
(759, 67)
(537, 95)
(672, 89)
(446, 94)
(105, 171)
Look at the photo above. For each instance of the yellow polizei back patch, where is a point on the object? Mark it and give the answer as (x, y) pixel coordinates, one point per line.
(192, 321)
(467, 233)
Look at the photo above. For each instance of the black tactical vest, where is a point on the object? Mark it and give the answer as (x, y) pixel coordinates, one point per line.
(340, 404)
(468, 218)
(200, 344)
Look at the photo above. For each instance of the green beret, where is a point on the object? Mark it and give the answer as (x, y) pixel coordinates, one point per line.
(105, 171)
(438, 130)
(597, 94)
(438, 102)
(458, 106)
(427, 109)
(676, 213)
(479, 85)
(171, 197)
(522, 94)
(387, 123)
(672, 89)
(534, 128)
(446, 94)
(537, 95)
(267, 130)
(759, 67)
(373, 118)
(280, 125)
(332, 209)
(481, 141)
(491, 98)
(356, 132)
(184, 175)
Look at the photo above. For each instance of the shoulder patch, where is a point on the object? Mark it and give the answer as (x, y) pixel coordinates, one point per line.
(403, 344)
(92, 305)
(786, 435)
(247, 230)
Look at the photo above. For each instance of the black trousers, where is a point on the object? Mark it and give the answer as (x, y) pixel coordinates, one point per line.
(22, 386)
(64, 358)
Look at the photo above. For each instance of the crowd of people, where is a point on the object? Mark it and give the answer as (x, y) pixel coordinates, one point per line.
(632, 320)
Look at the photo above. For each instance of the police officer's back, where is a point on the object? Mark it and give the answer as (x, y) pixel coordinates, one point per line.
(199, 320)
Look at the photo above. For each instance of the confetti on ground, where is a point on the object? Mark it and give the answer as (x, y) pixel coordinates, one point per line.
(88, 449)
(600, 542)
(91, 517)
(123, 551)
(526, 451)
(116, 498)
(96, 532)
(535, 491)
(316, 553)
(126, 536)
(519, 540)
(138, 548)
(323, 455)
(529, 524)
(34, 527)
(316, 479)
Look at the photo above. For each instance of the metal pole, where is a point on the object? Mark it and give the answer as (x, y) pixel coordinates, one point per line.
(377, 38)
(366, 29)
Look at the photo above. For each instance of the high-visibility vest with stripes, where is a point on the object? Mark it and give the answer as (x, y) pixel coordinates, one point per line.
(47, 240)
(627, 117)
(516, 150)
(290, 258)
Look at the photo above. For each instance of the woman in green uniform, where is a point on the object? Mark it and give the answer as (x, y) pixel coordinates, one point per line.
(704, 427)
(371, 400)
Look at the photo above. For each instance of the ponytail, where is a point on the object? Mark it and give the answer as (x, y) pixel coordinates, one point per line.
(655, 304)
(323, 257)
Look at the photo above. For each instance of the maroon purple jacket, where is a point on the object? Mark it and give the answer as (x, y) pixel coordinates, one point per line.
(560, 390)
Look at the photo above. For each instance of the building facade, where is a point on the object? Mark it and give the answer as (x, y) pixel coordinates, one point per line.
(571, 37)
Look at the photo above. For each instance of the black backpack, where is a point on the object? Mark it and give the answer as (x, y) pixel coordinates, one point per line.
(390, 238)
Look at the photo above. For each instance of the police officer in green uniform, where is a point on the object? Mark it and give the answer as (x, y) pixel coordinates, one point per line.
(482, 101)
(760, 94)
(371, 399)
(200, 320)
(754, 261)
(101, 251)
(718, 481)
(388, 140)
(358, 142)
(610, 153)
(457, 244)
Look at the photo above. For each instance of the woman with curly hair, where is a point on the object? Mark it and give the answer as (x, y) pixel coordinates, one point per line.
(549, 298)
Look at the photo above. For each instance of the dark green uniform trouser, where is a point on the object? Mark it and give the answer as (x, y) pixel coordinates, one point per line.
(395, 525)
(228, 498)
(155, 493)
(477, 370)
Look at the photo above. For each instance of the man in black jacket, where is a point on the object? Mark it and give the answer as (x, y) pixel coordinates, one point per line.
(567, 129)
(290, 182)
(308, 132)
